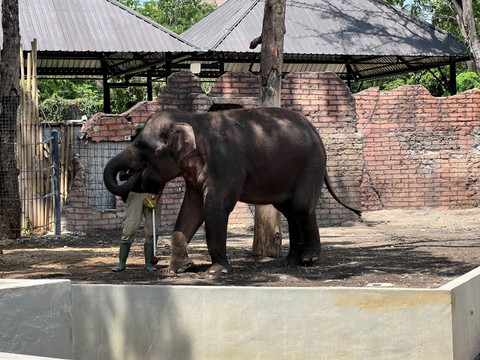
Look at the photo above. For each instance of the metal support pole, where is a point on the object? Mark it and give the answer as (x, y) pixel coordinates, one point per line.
(106, 95)
(453, 78)
(149, 87)
(56, 181)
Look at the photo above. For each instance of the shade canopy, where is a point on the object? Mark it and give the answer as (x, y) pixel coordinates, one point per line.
(356, 39)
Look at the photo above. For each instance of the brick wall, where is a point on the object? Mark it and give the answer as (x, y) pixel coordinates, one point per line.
(322, 97)
(419, 151)
(398, 149)
(327, 102)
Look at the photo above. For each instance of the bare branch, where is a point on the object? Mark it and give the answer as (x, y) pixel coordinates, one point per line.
(255, 42)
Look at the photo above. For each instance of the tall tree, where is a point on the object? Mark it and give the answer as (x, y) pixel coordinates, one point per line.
(267, 238)
(10, 207)
(468, 29)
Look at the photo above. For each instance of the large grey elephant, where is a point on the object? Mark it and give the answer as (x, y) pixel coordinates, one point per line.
(258, 156)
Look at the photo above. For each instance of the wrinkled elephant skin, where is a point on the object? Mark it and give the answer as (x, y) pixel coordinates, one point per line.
(258, 156)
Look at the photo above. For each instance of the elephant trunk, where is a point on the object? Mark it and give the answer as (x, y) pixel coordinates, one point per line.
(127, 160)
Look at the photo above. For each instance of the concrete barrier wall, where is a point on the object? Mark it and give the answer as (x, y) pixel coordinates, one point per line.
(10, 356)
(163, 322)
(57, 319)
(35, 317)
(465, 314)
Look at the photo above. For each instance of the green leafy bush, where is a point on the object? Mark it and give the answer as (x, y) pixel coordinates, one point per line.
(68, 99)
(467, 80)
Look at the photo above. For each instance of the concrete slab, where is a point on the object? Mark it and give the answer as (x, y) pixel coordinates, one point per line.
(151, 322)
(8, 356)
(99, 322)
(465, 292)
(35, 317)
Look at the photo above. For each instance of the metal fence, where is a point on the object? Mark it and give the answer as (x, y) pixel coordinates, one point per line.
(38, 192)
(94, 157)
(33, 149)
(44, 185)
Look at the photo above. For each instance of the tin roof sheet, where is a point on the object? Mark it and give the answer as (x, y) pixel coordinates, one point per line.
(93, 26)
(356, 39)
(329, 27)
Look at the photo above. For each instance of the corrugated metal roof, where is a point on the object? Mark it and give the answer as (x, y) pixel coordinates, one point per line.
(330, 27)
(357, 39)
(96, 37)
(93, 26)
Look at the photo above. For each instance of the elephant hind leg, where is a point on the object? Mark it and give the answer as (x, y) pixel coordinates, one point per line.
(295, 234)
(312, 246)
(305, 247)
(304, 202)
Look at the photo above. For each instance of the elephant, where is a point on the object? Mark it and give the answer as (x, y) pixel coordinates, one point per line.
(257, 156)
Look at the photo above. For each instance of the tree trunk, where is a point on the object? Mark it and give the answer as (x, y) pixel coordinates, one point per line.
(466, 23)
(10, 206)
(267, 240)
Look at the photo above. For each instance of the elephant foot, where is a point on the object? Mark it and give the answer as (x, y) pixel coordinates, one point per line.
(179, 260)
(180, 265)
(216, 269)
(292, 260)
(310, 257)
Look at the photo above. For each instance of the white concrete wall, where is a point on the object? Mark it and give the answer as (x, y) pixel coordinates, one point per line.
(35, 317)
(59, 320)
(466, 314)
(10, 356)
(163, 322)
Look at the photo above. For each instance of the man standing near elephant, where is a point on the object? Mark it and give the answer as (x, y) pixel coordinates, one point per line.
(138, 205)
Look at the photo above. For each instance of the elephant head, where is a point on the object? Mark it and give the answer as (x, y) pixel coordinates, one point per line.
(155, 156)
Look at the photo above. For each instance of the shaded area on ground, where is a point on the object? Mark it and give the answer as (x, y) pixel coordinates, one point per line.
(425, 249)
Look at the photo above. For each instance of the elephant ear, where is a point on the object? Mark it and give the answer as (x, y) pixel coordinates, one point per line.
(182, 140)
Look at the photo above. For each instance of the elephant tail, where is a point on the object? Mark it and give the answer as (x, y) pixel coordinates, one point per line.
(332, 192)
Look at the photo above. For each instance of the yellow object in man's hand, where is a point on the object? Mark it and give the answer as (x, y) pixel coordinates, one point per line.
(149, 202)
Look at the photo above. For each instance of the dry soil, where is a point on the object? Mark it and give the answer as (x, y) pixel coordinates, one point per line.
(424, 249)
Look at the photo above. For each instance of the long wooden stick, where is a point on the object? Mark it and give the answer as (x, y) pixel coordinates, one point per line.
(20, 144)
(29, 144)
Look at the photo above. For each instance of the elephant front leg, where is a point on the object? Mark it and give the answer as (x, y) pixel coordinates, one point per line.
(216, 231)
(179, 260)
(189, 220)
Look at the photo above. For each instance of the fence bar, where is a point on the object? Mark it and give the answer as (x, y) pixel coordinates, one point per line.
(56, 181)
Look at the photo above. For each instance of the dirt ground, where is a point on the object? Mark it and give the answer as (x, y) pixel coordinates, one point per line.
(424, 249)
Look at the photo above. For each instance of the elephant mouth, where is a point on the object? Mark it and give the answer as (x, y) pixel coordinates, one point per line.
(149, 184)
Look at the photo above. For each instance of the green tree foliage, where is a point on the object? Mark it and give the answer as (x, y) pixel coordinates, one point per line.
(468, 80)
(433, 80)
(61, 99)
(176, 15)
